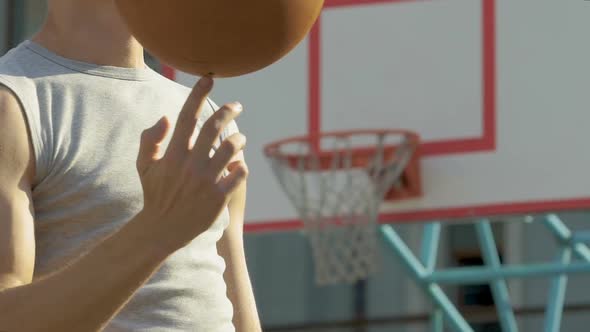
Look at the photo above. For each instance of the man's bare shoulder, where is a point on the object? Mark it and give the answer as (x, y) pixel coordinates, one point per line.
(8, 99)
(16, 154)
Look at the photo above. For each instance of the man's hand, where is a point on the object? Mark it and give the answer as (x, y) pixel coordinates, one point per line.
(185, 190)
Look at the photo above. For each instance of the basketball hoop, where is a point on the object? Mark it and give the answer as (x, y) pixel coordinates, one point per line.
(336, 182)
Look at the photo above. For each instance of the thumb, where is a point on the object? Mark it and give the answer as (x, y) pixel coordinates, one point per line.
(151, 138)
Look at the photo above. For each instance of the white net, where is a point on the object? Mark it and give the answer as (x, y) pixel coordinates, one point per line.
(338, 198)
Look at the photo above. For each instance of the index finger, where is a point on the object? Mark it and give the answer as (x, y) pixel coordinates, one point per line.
(187, 119)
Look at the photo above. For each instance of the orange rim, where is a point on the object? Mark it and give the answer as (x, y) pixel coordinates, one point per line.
(325, 157)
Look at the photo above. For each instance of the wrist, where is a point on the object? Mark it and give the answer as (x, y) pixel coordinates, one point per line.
(145, 232)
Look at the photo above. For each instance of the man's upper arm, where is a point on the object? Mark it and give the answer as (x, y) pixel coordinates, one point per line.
(17, 236)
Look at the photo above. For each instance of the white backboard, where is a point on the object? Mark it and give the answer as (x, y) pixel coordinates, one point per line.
(499, 91)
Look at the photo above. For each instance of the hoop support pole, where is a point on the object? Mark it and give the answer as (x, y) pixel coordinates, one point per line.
(499, 289)
(567, 237)
(453, 317)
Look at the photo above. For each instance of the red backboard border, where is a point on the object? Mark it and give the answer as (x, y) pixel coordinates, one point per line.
(486, 142)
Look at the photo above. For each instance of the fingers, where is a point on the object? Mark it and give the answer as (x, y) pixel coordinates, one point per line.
(212, 129)
(237, 175)
(151, 138)
(187, 119)
(226, 152)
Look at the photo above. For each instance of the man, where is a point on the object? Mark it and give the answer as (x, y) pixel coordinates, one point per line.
(102, 230)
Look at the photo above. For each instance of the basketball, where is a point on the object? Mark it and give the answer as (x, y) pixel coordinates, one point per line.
(222, 38)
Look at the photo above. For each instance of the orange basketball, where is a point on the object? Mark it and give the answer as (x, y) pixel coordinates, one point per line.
(223, 38)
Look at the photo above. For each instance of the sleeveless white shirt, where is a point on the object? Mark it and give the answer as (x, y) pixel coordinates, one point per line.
(85, 123)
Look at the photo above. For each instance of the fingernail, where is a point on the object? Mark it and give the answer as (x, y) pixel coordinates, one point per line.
(237, 106)
(161, 121)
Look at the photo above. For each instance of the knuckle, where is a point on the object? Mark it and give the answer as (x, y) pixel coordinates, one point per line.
(194, 174)
(187, 113)
(218, 125)
(175, 156)
(213, 127)
(245, 170)
(242, 173)
(219, 192)
(215, 193)
(230, 147)
(204, 185)
(238, 139)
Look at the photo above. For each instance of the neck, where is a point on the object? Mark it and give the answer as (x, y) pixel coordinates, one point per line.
(94, 33)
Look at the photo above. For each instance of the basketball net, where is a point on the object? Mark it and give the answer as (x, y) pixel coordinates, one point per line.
(337, 187)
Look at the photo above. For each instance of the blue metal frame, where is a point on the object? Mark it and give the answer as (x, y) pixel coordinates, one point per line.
(424, 272)
(436, 321)
(499, 288)
(453, 317)
(428, 254)
(556, 296)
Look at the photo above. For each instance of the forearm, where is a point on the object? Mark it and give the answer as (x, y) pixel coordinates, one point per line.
(85, 295)
(239, 286)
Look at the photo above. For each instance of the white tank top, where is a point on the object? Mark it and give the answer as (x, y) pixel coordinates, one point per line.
(85, 123)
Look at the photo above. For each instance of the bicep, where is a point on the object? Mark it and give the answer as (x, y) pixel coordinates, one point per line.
(17, 235)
